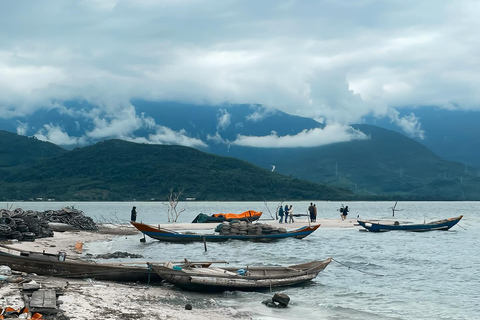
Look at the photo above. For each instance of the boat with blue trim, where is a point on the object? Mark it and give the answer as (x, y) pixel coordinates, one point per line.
(260, 233)
(444, 224)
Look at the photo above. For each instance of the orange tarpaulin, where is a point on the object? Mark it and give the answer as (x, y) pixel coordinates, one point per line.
(247, 214)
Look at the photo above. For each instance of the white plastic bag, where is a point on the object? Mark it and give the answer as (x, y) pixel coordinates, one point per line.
(5, 270)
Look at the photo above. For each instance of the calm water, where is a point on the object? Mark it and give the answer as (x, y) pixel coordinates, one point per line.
(433, 275)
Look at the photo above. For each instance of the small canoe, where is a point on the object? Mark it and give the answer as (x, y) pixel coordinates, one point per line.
(163, 234)
(207, 278)
(444, 224)
(249, 215)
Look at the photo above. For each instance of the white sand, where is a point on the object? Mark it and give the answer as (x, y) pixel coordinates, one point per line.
(107, 300)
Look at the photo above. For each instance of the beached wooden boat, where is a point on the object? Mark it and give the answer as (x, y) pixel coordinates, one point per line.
(444, 224)
(207, 278)
(249, 215)
(163, 234)
(58, 265)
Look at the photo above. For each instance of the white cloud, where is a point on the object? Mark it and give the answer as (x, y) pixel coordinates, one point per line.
(56, 135)
(22, 129)
(217, 138)
(410, 124)
(164, 135)
(123, 125)
(223, 118)
(334, 61)
(259, 113)
(307, 138)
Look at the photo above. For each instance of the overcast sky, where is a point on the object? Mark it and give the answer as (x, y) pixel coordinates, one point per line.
(332, 60)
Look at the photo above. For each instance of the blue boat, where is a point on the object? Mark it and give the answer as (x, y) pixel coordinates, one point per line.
(187, 237)
(444, 224)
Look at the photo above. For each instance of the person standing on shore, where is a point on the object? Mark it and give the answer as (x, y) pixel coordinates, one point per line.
(345, 213)
(280, 214)
(311, 212)
(290, 213)
(286, 213)
(133, 216)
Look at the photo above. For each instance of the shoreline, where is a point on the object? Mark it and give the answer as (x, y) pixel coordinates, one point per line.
(89, 299)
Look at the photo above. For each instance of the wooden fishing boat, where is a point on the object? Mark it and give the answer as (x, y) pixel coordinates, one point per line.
(163, 234)
(444, 224)
(58, 265)
(249, 215)
(207, 278)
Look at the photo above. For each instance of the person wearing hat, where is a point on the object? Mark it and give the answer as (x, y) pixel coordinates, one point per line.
(133, 217)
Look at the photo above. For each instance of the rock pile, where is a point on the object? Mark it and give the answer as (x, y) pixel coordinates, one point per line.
(246, 228)
(29, 225)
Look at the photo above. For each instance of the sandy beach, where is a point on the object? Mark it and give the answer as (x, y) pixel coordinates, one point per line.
(87, 299)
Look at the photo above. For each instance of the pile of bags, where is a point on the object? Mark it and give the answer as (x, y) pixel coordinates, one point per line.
(246, 228)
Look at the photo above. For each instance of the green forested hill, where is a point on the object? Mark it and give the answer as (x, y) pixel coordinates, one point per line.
(388, 165)
(117, 170)
(18, 150)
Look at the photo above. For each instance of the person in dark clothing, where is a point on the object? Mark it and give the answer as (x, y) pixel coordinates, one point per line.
(280, 214)
(311, 211)
(285, 211)
(345, 213)
(133, 217)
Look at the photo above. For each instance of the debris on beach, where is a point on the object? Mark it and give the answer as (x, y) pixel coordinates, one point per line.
(39, 303)
(30, 225)
(279, 300)
(246, 228)
(115, 255)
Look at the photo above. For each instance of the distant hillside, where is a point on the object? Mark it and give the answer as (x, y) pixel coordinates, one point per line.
(117, 170)
(386, 165)
(18, 150)
(452, 134)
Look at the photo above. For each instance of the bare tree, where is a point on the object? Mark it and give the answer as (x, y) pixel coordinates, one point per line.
(172, 212)
(393, 209)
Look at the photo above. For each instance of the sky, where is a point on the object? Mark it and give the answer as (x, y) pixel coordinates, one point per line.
(335, 61)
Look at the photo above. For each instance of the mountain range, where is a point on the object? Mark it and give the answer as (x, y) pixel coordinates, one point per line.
(386, 165)
(117, 170)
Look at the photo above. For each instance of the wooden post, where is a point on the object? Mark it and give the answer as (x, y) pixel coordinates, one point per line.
(205, 244)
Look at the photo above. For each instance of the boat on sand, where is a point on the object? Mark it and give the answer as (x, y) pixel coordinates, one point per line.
(60, 266)
(204, 277)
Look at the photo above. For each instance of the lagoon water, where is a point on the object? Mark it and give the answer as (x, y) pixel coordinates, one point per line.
(394, 275)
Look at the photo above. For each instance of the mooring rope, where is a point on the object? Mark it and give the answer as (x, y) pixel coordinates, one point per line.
(350, 267)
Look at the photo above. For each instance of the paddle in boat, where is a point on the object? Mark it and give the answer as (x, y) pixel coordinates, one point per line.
(253, 232)
(204, 277)
(444, 224)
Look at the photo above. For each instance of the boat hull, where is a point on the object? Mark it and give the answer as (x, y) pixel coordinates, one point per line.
(184, 237)
(444, 225)
(261, 278)
(72, 269)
